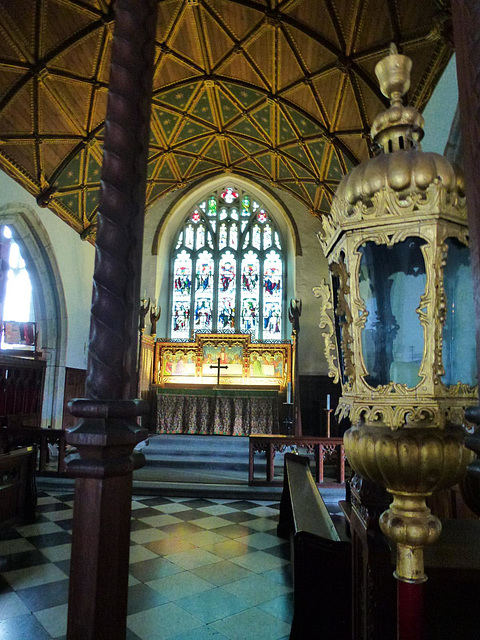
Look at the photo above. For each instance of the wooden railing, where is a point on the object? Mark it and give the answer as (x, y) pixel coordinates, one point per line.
(21, 386)
(323, 448)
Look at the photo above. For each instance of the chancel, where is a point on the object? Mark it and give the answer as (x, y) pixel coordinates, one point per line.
(184, 156)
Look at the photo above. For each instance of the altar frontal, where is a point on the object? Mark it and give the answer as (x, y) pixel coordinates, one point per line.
(220, 384)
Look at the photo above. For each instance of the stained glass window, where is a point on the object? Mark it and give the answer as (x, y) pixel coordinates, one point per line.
(228, 269)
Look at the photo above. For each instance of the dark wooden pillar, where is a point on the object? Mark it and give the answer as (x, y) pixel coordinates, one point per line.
(107, 431)
(466, 33)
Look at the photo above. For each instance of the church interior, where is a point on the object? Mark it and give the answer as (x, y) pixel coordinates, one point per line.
(199, 203)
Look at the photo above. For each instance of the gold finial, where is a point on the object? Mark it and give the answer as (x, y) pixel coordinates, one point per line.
(393, 73)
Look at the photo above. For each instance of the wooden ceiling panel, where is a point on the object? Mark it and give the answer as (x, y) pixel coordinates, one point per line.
(234, 82)
(218, 38)
(18, 20)
(52, 117)
(186, 39)
(60, 21)
(82, 56)
(23, 156)
(17, 116)
(314, 55)
(375, 25)
(289, 69)
(50, 152)
(9, 78)
(170, 70)
(240, 19)
(74, 97)
(324, 22)
(261, 50)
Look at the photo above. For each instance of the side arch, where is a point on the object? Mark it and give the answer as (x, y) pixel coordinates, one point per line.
(48, 302)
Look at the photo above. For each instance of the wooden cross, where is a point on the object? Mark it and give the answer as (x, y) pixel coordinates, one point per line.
(218, 366)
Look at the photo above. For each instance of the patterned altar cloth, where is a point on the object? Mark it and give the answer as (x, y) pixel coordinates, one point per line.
(230, 412)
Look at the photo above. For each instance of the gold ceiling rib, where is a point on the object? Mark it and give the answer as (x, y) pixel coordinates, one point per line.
(283, 92)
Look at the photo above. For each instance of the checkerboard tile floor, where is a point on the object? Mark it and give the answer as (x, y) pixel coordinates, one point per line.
(198, 569)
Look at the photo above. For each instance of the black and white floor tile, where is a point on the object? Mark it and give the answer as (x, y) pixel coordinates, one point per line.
(198, 569)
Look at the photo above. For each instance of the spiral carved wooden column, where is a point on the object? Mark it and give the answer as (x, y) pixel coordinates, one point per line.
(107, 431)
(466, 29)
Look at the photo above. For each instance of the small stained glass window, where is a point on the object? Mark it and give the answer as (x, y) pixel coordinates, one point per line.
(196, 217)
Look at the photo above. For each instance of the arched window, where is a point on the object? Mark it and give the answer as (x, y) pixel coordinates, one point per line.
(18, 313)
(228, 269)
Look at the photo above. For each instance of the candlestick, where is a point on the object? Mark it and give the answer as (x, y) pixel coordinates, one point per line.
(289, 392)
(328, 401)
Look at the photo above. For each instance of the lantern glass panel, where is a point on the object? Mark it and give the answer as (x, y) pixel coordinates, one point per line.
(391, 283)
(459, 356)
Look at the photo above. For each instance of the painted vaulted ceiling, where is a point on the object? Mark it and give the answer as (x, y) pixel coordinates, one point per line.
(278, 90)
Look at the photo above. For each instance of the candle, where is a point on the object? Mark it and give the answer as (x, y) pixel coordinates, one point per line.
(328, 402)
(289, 392)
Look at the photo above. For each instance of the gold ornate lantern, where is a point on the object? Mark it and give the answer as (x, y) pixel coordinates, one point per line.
(396, 242)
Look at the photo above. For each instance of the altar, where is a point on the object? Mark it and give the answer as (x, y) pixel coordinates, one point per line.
(221, 384)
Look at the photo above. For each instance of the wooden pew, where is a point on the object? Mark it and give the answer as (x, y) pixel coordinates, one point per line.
(17, 486)
(321, 557)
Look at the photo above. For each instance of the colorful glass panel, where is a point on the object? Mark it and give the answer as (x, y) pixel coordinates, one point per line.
(233, 235)
(267, 237)
(256, 237)
(189, 236)
(200, 237)
(182, 287)
(250, 291)
(233, 214)
(222, 236)
(196, 217)
(223, 213)
(261, 216)
(212, 206)
(226, 292)
(204, 273)
(229, 195)
(272, 296)
(245, 206)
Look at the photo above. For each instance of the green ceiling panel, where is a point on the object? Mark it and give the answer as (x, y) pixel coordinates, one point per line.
(71, 201)
(234, 152)
(203, 108)
(317, 149)
(214, 152)
(165, 172)
(284, 171)
(184, 163)
(311, 189)
(94, 170)
(335, 170)
(250, 146)
(71, 175)
(203, 166)
(324, 205)
(193, 147)
(152, 166)
(296, 189)
(91, 201)
(300, 171)
(246, 127)
(228, 109)
(168, 122)
(348, 163)
(191, 130)
(298, 153)
(157, 191)
(250, 166)
(306, 126)
(263, 118)
(247, 97)
(285, 131)
(266, 162)
(178, 97)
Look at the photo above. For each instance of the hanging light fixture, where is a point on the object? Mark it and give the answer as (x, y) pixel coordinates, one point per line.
(396, 242)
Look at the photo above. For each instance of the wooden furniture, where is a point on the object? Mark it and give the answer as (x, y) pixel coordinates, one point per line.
(17, 486)
(13, 436)
(226, 411)
(321, 557)
(323, 448)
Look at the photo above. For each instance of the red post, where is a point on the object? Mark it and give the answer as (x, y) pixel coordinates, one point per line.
(410, 616)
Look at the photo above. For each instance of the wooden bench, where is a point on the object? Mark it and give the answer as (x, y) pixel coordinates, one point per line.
(17, 486)
(320, 554)
(322, 448)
